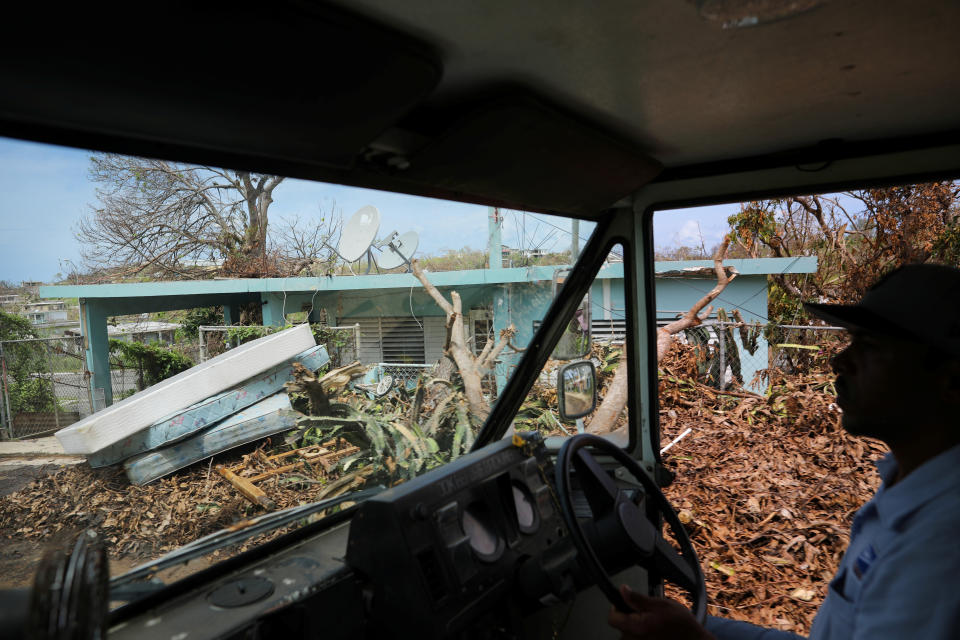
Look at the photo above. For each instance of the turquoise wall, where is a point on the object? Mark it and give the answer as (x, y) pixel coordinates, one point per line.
(524, 303)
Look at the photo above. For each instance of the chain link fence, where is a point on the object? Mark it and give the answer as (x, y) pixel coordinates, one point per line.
(736, 353)
(342, 343)
(402, 373)
(44, 386)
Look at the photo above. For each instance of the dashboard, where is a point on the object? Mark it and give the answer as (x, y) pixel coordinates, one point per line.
(481, 537)
(467, 550)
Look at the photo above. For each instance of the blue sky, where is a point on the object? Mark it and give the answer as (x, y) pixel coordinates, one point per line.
(46, 190)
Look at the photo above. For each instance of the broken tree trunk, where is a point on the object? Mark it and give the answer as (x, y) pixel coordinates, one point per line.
(605, 419)
(471, 367)
(318, 391)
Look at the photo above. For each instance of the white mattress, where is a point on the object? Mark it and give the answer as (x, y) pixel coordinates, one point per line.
(142, 409)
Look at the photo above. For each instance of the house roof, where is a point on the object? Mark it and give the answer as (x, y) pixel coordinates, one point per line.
(472, 277)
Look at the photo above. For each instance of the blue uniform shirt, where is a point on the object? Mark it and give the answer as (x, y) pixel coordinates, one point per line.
(900, 576)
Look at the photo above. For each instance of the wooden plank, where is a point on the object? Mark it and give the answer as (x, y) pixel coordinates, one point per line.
(249, 490)
(311, 454)
(203, 414)
(265, 418)
(139, 411)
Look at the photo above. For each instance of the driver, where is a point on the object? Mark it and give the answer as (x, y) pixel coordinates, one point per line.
(899, 381)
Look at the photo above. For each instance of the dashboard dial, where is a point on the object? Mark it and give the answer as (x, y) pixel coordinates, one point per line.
(526, 510)
(482, 535)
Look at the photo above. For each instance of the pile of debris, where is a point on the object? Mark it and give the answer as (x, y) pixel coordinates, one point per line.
(142, 521)
(767, 487)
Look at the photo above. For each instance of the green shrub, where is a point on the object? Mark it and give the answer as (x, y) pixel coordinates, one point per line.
(152, 362)
(32, 395)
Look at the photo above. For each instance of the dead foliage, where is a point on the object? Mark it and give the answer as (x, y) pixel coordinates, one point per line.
(142, 521)
(766, 486)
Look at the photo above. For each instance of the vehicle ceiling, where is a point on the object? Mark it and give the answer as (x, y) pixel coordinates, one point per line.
(562, 107)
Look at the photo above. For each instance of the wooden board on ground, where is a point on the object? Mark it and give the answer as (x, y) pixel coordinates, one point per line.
(139, 411)
(265, 418)
(209, 411)
(317, 455)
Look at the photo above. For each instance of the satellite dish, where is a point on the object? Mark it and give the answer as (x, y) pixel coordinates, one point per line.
(359, 233)
(399, 251)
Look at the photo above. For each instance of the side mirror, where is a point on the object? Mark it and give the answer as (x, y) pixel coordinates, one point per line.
(577, 389)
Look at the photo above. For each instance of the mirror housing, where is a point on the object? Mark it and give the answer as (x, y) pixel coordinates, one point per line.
(577, 389)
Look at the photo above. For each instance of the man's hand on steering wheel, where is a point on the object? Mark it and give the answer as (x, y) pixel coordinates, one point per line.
(655, 618)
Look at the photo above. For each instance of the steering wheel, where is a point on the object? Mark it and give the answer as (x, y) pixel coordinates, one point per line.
(71, 593)
(622, 526)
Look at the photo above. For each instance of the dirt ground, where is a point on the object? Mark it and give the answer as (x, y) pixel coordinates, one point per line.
(19, 557)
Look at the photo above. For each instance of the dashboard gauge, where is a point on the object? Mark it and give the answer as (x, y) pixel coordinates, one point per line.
(526, 510)
(484, 541)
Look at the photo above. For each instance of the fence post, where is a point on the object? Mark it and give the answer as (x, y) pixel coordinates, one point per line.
(722, 339)
(356, 341)
(5, 397)
(53, 386)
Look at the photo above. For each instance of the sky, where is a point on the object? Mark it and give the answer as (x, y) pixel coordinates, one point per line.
(46, 190)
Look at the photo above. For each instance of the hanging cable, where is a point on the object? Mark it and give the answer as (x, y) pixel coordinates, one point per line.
(411, 308)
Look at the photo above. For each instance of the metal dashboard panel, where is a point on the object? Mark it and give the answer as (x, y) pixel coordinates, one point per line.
(296, 574)
(441, 553)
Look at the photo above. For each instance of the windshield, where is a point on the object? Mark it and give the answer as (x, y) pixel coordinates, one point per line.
(307, 343)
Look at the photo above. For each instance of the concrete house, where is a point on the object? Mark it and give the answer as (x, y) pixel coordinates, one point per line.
(399, 323)
(44, 313)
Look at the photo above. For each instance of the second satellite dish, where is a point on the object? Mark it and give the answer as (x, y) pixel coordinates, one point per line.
(358, 233)
(398, 252)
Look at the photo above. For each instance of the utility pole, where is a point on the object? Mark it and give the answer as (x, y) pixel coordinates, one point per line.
(574, 240)
(494, 243)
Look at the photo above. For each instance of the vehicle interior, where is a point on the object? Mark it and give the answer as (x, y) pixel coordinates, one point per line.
(604, 111)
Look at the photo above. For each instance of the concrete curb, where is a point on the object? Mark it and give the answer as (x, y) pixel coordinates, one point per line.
(47, 447)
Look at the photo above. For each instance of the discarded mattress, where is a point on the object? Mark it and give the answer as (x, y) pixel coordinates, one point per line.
(188, 421)
(139, 411)
(264, 418)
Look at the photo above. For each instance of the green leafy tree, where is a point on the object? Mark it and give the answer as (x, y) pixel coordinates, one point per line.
(26, 364)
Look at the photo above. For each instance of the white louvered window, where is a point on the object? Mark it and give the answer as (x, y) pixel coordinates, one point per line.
(390, 339)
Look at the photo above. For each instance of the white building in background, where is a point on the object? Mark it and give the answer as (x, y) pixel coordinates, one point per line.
(143, 331)
(45, 313)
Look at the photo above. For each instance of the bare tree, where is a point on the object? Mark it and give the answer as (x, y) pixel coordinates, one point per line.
(857, 236)
(165, 218)
(472, 367)
(304, 247)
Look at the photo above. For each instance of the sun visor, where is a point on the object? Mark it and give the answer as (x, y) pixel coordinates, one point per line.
(523, 153)
(283, 80)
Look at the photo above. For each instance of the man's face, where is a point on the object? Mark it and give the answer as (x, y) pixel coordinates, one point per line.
(882, 386)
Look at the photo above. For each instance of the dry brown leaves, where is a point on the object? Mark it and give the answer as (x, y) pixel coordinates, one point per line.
(144, 521)
(767, 488)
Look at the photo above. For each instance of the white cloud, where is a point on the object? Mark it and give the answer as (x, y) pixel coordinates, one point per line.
(688, 235)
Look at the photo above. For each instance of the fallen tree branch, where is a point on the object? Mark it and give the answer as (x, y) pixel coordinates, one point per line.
(607, 415)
